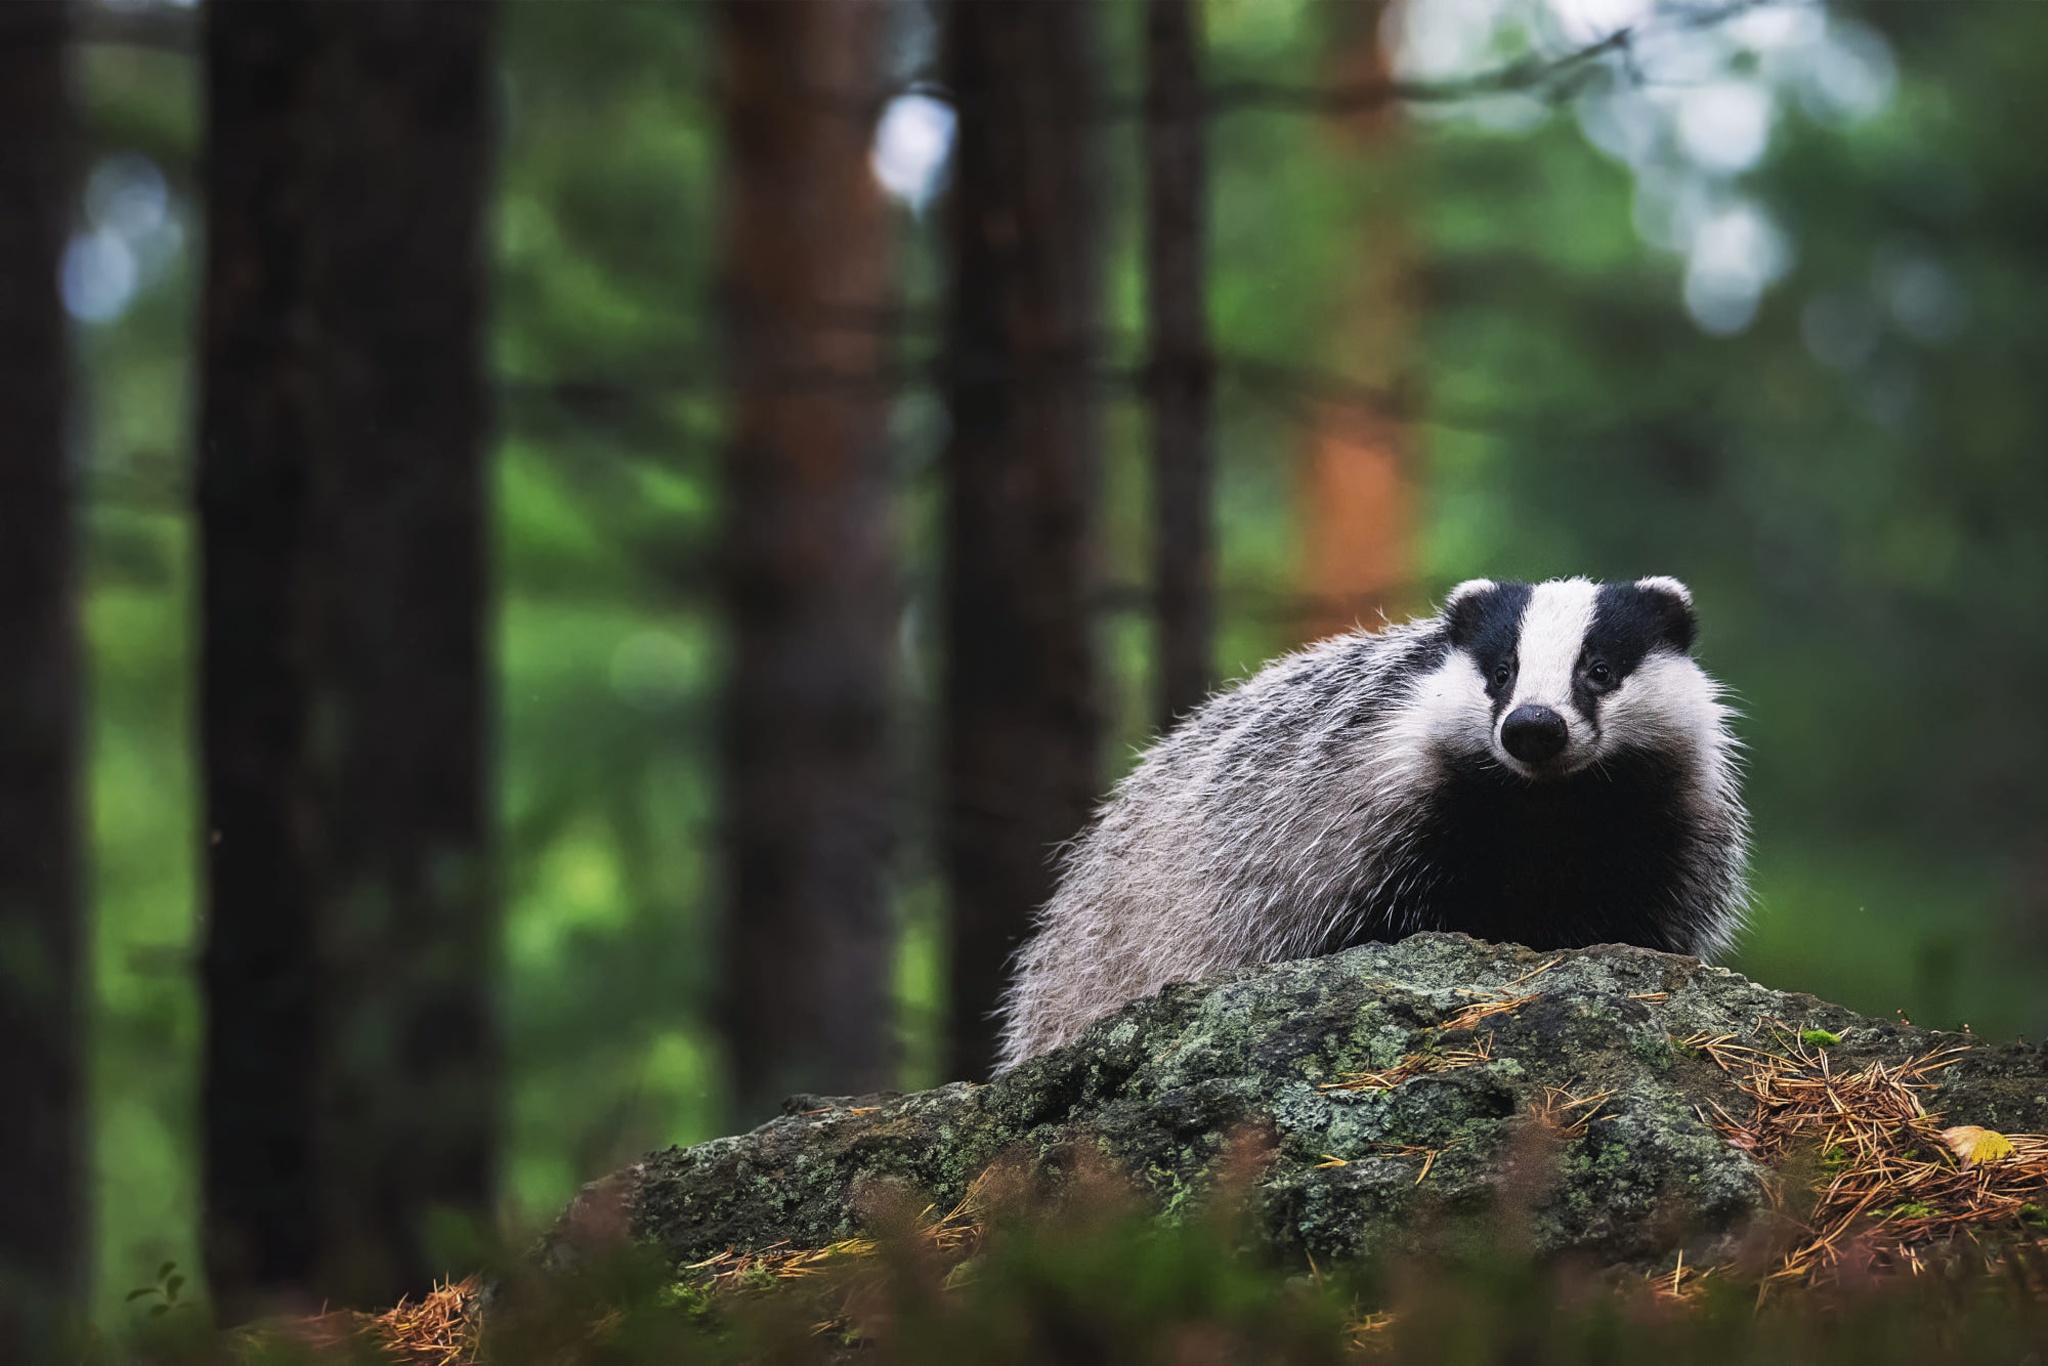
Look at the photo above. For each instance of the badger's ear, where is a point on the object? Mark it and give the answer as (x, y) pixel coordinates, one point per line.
(1464, 608)
(1671, 603)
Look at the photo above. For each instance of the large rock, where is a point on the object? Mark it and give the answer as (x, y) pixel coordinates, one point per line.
(1261, 1057)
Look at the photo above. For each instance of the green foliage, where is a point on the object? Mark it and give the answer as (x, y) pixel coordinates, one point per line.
(138, 576)
(164, 1295)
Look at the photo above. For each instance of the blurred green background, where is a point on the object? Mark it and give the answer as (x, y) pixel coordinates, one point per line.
(1763, 316)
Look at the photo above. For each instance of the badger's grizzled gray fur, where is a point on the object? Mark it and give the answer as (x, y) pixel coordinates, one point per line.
(1544, 764)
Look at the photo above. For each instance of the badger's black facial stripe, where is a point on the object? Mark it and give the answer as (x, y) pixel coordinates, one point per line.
(1629, 621)
(1487, 626)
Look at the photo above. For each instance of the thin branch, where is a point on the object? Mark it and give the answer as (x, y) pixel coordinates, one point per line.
(1557, 75)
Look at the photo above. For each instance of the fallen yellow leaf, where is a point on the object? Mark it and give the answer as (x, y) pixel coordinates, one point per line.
(1974, 1144)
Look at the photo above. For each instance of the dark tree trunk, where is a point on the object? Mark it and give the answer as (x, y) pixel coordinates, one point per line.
(807, 571)
(351, 1063)
(43, 1224)
(1021, 723)
(1181, 370)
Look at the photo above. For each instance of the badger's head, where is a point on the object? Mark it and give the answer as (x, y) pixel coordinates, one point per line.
(1574, 671)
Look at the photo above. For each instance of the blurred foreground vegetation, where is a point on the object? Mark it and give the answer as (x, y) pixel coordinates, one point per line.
(1848, 475)
(1096, 1285)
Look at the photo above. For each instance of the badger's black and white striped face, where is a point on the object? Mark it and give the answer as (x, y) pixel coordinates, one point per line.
(1571, 671)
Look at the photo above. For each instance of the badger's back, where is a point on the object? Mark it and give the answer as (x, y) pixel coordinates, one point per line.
(1195, 864)
(1356, 790)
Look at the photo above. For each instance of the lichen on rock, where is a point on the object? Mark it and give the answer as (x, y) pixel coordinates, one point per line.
(1388, 1091)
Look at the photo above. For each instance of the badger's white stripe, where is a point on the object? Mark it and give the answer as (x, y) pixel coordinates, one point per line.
(1667, 704)
(1553, 632)
(1445, 713)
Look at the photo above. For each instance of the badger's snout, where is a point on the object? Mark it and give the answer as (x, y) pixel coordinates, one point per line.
(1534, 734)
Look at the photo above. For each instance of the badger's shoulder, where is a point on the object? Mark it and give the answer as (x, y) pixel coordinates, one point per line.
(1308, 722)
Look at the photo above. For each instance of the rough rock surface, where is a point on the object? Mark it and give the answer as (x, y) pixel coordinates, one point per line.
(1164, 1086)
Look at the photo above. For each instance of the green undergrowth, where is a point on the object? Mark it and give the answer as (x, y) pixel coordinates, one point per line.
(1098, 1286)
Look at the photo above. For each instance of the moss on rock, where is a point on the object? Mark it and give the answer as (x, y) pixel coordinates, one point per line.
(1583, 1116)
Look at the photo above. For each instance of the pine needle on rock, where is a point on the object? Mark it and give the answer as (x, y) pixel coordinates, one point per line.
(1897, 1181)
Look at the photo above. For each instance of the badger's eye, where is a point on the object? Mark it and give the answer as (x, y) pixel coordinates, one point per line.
(1598, 672)
(1501, 674)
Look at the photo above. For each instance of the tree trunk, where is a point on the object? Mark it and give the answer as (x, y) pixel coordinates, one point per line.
(1356, 496)
(44, 1229)
(350, 1090)
(808, 569)
(1182, 369)
(1021, 724)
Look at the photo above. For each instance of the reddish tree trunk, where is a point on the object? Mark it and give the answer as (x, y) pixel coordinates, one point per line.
(808, 566)
(1356, 497)
(351, 1066)
(1021, 724)
(44, 1231)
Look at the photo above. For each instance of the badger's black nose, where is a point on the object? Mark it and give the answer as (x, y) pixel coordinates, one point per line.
(1534, 734)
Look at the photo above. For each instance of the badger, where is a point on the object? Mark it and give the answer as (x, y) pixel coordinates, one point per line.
(1543, 763)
